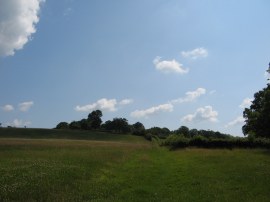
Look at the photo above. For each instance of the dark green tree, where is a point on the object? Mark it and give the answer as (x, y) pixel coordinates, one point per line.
(95, 119)
(258, 115)
(75, 125)
(138, 129)
(183, 130)
(120, 125)
(62, 125)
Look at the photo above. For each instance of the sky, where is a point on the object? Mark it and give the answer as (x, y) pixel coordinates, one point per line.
(164, 63)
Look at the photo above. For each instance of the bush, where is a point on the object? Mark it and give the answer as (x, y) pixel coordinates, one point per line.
(176, 141)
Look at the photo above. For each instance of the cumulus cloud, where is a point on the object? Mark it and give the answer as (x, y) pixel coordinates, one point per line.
(202, 114)
(103, 104)
(246, 103)
(169, 66)
(8, 108)
(190, 96)
(238, 121)
(153, 110)
(25, 106)
(195, 54)
(17, 23)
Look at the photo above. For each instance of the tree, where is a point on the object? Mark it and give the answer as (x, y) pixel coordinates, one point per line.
(85, 124)
(95, 119)
(183, 130)
(62, 125)
(75, 125)
(120, 125)
(138, 129)
(258, 115)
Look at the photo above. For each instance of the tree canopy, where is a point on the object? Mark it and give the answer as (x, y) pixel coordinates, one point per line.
(258, 115)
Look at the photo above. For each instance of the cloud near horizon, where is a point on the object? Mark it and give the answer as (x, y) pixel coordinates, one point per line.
(168, 107)
(195, 53)
(17, 23)
(238, 121)
(103, 104)
(169, 66)
(19, 123)
(202, 114)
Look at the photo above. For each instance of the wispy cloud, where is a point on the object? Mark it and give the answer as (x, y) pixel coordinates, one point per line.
(8, 108)
(19, 123)
(202, 114)
(168, 107)
(25, 106)
(238, 121)
(169, 66)
(246, 103)
(103, 104)
(17, 24)
(190, 96)
(152, 110)
(195, 53)
(126, 102)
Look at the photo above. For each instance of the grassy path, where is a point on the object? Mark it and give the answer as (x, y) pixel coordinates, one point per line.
(65, 170)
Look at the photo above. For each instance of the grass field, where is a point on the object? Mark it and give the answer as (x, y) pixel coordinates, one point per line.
(117, 169)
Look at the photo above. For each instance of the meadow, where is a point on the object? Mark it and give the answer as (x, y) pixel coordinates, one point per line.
(47, 165)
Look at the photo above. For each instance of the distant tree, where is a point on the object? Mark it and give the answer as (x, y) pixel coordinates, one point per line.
(120, 125)
(138, 129)
(193, 132)
(183, 130)
(62, 125)
(159, 132)
(0, 125)
(75, 125)
(108, 126)
(95, 119)
(257, 116)
(85, 124)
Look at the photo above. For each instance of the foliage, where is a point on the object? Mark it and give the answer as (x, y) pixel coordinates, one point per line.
(94, 118)
(159, 132)
(258, 115)
(138, 129)
(117, 125)
(179, 141)
(62, 125)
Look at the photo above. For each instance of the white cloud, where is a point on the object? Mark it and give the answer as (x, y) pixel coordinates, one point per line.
(195, 54)
(202, 114)
(169, 66)
(246, 103)
(152, 110)
(190, 96)
(25, 106)
(102, 104)
(17, 23)
(125, 101)
(238, 121)
(8, 108)
(19, 123)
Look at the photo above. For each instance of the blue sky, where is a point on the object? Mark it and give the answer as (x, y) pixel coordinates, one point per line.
(163, 63)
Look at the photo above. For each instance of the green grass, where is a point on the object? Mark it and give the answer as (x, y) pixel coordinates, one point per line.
(120, 170)
(65, 134)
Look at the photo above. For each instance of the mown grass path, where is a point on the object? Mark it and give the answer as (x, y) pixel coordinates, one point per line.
(87, 170)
